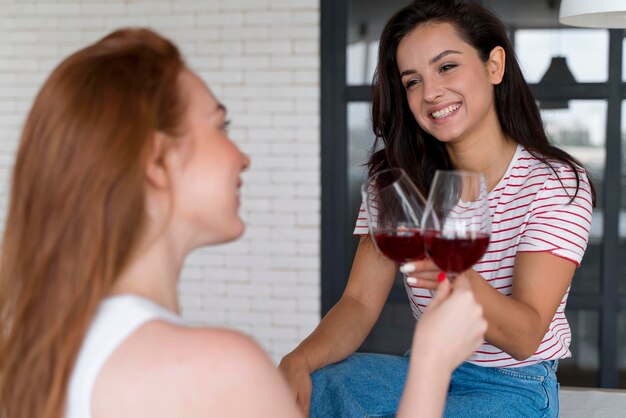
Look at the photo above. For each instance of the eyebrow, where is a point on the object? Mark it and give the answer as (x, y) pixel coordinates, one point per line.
(433, 60)
(443, 54)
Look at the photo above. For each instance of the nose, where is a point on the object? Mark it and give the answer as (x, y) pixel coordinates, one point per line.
(245, 161)
(433, 90)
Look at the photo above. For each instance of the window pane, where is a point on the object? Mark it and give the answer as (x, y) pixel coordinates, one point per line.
(361, 62)
(582, 368)
(360, 141)
(394, 329)
(366, 21)
(586, 52)
(581, 131)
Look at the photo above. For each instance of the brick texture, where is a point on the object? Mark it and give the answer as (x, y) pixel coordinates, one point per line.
(261, 58)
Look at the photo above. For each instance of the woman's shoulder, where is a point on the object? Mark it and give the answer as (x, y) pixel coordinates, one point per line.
(172, 370)
(553, 181)
(533, 166)
(535, 160)
(203, 343)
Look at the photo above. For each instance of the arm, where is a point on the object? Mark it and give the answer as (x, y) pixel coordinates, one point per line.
(454, 320)
(346, 325)
(549, 248)
(517, 323)
(165, 370)
(255, 387)
(551, 245)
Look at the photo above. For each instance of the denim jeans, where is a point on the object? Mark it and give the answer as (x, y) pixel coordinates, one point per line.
(530, 391)
(363, 385)
(370, 385)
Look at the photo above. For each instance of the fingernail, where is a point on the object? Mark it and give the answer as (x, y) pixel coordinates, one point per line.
(441, 277)
(407, 268)
(411, 281)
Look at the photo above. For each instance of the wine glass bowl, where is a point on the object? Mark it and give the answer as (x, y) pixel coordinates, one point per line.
(394, 208)
(456, 223)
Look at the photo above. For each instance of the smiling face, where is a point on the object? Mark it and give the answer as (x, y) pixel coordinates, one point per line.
(206, 167)
(448, 87)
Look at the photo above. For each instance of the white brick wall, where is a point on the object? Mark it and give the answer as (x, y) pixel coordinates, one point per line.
(261, 58)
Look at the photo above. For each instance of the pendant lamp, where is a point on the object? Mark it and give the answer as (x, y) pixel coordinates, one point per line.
(557, 72)
(593, 13)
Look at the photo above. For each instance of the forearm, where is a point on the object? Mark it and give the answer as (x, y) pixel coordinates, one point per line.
(347, 324)
(514, 327)
(340, 333)
(426, 388)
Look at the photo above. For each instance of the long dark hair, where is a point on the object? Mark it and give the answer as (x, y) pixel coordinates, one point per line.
(76, 210)
(406, 144)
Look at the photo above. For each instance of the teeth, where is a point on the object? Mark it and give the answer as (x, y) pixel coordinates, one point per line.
(445, 112)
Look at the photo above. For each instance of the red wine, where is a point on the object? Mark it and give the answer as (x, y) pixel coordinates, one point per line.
(455, 255)
(400, 245)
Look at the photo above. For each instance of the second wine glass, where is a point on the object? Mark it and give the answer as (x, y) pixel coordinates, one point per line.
(394, 209)
(456, 223)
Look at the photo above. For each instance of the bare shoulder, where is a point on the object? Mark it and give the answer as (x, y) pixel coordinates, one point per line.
(168, 370)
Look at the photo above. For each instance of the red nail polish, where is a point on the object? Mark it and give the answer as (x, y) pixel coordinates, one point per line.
(441, 277)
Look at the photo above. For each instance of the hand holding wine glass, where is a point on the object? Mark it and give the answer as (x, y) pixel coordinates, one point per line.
(456, 221)
(394, 209)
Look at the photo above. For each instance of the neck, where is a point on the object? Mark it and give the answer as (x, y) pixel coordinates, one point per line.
(489, 155)
(154, 272)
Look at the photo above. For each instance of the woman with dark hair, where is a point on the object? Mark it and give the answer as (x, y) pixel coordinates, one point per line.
(124, 167)
(449, 94)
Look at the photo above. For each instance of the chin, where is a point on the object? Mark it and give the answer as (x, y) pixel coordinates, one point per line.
(227, 232)
(448, 137)
(237, 230)
(241, 229)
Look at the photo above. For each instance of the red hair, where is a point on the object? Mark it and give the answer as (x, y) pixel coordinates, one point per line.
(77, 206)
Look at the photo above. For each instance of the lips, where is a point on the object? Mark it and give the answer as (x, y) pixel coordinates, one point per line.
(446, 111)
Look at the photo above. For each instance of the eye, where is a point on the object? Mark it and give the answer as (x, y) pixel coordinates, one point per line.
(225, 125)
(411, 83)
(446, 67)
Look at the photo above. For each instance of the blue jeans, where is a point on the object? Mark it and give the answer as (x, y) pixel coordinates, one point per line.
(370, 385)
(363, 385)
(530, 391)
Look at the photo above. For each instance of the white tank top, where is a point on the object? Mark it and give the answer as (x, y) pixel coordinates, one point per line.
(116, 319)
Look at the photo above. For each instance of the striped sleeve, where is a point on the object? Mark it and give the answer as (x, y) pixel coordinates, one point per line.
(362, 222)
(555, 224)
(362, 226)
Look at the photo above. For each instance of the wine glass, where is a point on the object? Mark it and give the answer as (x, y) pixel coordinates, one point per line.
(456, 223)
(394, 208)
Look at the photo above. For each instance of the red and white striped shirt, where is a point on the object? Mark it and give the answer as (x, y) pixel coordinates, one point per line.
(530, 211)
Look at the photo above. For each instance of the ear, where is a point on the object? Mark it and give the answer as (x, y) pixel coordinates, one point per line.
(156, 170)
(496, 64)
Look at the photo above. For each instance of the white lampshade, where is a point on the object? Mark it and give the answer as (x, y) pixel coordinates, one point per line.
(593, 13)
